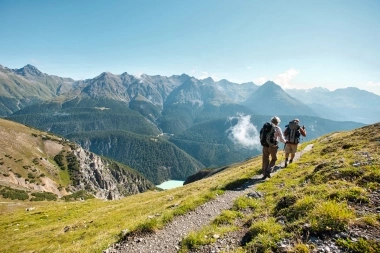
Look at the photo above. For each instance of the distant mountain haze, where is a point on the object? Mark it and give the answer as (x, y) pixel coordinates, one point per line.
(342, 104)
(270, 98)
(194, 119)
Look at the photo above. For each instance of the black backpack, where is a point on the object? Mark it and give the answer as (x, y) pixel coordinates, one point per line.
(292, 132)
(267, 135)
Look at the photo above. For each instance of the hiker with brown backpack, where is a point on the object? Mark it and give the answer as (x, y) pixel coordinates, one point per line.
(292, 134)
(270, 134)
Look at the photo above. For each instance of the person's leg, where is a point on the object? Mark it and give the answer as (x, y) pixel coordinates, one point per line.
(265, 159)
(273, 154)
(287, 152)
(293, 153)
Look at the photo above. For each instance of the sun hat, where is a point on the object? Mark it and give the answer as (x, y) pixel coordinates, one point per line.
(275, 120)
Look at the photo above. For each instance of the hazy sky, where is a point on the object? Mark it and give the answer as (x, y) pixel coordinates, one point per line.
(298, 44)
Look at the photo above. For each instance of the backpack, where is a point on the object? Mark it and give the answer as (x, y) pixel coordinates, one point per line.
(292, 132)
(267, 135)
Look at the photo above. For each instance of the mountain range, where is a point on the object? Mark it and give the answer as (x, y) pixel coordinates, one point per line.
(172, 127)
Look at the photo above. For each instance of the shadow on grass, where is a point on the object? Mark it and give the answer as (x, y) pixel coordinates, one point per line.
(241, 184)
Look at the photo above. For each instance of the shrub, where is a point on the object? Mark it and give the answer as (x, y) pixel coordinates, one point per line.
(360, 246)
(330, 216)
(353, 194)
(264, 235)
(242, 203)
(36, 161)
(40, 196)
(300, 209)
(226, 218)
(78, 195)
(10, 193)
(59, 160)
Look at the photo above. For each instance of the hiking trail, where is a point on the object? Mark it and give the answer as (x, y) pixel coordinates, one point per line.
(168, 239)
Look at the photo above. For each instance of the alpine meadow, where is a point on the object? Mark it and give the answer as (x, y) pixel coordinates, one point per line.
(190, 126)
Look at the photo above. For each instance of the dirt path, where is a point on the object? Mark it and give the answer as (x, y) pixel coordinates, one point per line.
(167, 240)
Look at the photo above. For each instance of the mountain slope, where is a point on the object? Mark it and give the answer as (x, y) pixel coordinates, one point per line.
(155, 158)
(331, 193)
(75, 120)
(36, 161)
(271, 99)
(26, 86)
(229, 140)
(341, 104)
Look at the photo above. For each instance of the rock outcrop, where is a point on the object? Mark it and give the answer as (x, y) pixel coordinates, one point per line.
(106, 179)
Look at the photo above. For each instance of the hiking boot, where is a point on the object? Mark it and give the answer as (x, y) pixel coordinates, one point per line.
(269, 176)
(286, 164)
(264, 177)
(290, 161)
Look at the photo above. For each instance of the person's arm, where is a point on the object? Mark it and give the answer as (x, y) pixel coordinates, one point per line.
(303, 131)
(280, 135)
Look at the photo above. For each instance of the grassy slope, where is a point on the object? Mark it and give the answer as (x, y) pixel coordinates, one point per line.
(25, 150)
(326, 192)
(94, 224)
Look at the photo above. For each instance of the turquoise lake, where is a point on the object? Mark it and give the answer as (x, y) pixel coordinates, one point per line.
(170, 184)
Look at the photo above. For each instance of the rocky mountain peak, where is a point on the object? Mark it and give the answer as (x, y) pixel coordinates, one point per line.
(29, 70)
(208, 80)
(270, 84)
(270, 98)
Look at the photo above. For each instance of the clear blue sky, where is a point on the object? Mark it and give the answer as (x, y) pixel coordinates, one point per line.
(298, 44)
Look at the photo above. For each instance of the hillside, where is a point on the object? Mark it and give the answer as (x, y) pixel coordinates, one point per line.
(341, 104)
(223, 141)
(193, 114)
(27, 86)
(270, 98)
(154, 157)
(327, 198)
(38, 163)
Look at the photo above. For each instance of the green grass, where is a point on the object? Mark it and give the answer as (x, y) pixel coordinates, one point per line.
(330, 216)
(263, 235)
(319, 189)
(222, 224)
(360, 246)
(93, 224)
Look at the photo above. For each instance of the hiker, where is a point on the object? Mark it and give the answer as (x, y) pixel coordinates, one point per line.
(292, 135)
(270, 144)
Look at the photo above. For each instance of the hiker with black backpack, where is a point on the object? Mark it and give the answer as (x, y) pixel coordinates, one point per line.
(292, 134)
(270, 134)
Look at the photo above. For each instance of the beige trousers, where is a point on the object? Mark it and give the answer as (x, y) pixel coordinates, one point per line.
(267, 165)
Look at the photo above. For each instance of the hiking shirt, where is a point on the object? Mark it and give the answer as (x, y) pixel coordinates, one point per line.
(278, 135)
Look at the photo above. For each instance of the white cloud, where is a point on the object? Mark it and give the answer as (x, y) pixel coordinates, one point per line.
(373, 87)
(138, 75)
(260, 80)
(203, 75)
(373, 84)
(249, 67)
(244, 133)
(284, 79)
(34, 61)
